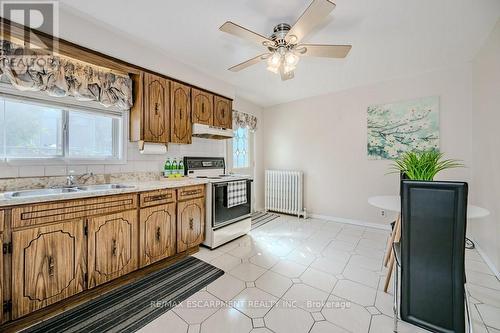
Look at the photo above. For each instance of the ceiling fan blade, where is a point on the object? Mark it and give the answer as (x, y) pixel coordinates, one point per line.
(249, 62)
(239, 31)
(319, 50)
(312, 16)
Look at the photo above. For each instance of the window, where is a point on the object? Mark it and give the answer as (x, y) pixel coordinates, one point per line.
(241, 158)
(36, 130)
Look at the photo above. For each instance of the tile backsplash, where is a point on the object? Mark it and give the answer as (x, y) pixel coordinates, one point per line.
(136, 162)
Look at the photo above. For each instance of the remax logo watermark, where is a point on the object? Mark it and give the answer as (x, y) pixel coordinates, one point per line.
(38, 15)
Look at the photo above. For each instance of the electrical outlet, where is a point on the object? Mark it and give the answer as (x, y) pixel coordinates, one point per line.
(382, 212)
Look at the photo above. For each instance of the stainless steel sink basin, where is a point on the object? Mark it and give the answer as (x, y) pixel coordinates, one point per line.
(103, 187)
(41, 192)
(62, 190)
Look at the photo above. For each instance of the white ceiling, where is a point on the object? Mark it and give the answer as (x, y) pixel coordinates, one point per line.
(390, 38)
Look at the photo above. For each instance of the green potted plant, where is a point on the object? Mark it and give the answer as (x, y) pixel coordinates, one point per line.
(423, 165)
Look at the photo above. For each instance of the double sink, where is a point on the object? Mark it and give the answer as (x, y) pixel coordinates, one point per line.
(62, 190)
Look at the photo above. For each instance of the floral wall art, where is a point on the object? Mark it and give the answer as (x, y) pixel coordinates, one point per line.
(395, 128)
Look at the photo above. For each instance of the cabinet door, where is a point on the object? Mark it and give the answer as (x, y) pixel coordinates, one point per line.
(156, 109)
(48, 265)
(112, 246)
(202, 107)
(223, 112)
(157, 233)
(1, 278)
(180, 113)
(190, 223)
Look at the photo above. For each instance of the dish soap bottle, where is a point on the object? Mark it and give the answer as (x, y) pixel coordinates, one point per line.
(167, 168)
(173, 171)
(181, 169)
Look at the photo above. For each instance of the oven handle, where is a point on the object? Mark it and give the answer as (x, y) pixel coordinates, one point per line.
(225, 183)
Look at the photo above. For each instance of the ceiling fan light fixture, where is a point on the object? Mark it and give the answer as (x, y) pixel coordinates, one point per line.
(291, 59)
(288, 68)
(273, 69)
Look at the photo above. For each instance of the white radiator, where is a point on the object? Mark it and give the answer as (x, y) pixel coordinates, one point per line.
(284, 192)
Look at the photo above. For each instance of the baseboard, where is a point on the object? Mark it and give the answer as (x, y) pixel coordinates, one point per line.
(486, 259)
(351, 221)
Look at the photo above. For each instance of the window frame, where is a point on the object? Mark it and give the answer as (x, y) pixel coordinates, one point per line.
(251, 153)
(119, 132)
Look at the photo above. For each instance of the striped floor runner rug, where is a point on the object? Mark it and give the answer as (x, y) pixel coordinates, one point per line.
(132, 306)
(261, 218)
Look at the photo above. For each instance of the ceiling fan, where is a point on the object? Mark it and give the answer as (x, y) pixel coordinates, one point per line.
(284, 45)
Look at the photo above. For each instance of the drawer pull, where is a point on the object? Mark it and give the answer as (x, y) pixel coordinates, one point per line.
(159, 197)
(51, 265)
(191, 223)
(113, 249)
(158, 235)
(191, 192)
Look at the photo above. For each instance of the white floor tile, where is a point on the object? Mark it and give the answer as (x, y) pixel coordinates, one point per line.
(226, 262)
(289, 268)
(226, 287)
(361, 275)
(485, 295)
(264, 260)
(273, 283)
(306, 297)
(288, 319)
(254, 302)
(247, 272)
(318, 279)
(490, 315)
(355, 292)
(326, 327)
(347, 315)
(329, 265)
(484, 280)
(227, 320)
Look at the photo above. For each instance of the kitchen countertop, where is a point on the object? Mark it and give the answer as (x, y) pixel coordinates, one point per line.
(138, 187)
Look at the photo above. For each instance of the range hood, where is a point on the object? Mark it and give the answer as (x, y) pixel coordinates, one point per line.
(211, 132)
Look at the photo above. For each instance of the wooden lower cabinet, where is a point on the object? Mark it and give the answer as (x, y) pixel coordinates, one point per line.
(157, 233)
(48, 265)
(190, 223)
(112, 246)
(1, 278)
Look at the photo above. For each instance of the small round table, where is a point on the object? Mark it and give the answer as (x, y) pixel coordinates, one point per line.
(392, 203)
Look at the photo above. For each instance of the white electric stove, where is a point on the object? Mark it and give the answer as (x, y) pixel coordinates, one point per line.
(222, 224)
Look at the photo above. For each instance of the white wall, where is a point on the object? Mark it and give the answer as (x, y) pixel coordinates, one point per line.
(486, 143)
(326, 137)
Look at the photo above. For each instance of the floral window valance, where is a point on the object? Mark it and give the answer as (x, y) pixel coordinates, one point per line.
(60, 76)
(241, 119)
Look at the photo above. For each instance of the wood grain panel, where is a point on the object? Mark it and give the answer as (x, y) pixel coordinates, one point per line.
(223, 112)
(158, 197)
(180, 113)
(157, 233)
(190, 223)
(112, 246)
(1, 279)
(48, 265)
(156, 109)
(136, 127)
(66, 210)
(202, 107)
(2, 220)
(190, 192)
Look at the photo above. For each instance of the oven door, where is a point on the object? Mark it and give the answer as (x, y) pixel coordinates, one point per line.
(221, 215)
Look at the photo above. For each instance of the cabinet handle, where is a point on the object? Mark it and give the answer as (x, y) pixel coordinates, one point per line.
(191, 223)
(157, 106)
(202, 108)
(51, 265)
(113, 250)
(223, 113)
(180, 114)
(158, 197)
(158, 234)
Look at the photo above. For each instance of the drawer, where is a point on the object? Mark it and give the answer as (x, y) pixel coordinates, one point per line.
(157, 197)
(190, 192)
(74, 209)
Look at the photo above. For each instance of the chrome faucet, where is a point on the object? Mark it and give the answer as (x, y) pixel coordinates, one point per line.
(70, 179)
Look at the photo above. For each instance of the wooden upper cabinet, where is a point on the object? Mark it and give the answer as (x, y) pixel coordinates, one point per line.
(157, 233)
(156, 109)
(202, 107)
(48, 265)
(190, 223)
(112, 246)
(180, 113)
(223, 112)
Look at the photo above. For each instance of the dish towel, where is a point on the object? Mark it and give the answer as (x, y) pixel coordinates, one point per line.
(236, 193)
